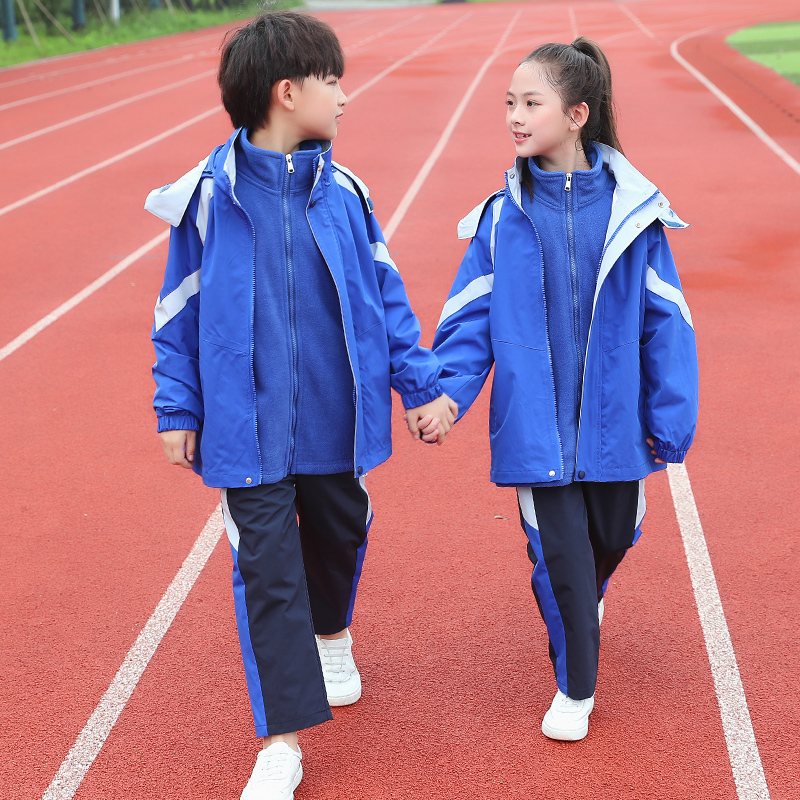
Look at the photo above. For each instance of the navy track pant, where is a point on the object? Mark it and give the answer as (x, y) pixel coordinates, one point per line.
(577, 536)
(298, 547)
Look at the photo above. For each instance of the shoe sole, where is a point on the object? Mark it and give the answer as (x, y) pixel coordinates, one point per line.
(564, 736)
(346, 700)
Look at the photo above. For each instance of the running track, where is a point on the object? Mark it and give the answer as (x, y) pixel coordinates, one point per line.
(96, 524)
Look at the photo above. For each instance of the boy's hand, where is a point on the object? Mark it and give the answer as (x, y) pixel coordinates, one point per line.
(437, 417)
(653, 445)
(179, 447)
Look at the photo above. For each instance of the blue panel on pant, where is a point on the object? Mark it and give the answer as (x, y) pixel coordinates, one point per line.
(248, 656)
(550, 610)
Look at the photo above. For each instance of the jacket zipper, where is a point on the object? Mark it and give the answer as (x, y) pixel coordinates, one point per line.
(573, 272)
(547, 337)
(292, 300)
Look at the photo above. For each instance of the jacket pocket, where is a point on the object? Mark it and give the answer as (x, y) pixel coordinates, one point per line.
(622, 428)
(228, 441)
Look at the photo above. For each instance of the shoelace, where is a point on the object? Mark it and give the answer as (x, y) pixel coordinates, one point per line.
(277, 766)
(333, 657)
(567, 704)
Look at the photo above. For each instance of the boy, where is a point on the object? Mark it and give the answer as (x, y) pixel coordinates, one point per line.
(280, 328)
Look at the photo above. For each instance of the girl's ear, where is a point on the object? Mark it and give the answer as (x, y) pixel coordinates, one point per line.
(579, 116)
(283, 94)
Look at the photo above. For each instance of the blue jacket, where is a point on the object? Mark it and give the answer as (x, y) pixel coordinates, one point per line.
(203, 331)
(640, 370)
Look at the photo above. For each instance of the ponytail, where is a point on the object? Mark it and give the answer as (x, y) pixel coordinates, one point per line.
(580, 73)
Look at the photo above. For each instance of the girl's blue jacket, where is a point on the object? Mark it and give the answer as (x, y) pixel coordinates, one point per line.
(203, 331)
(640, 377)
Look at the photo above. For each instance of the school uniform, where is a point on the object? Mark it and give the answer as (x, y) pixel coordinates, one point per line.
(573, 297)
(282, 325)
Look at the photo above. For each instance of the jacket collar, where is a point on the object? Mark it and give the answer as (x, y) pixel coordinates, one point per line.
(228, 157)
(171, 201)
(632, 191)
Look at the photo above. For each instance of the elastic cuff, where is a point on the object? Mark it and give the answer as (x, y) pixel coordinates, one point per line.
(421, 398)
(178, 422)
(670, 456)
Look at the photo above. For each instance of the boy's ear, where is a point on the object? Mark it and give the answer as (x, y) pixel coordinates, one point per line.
(283, 94)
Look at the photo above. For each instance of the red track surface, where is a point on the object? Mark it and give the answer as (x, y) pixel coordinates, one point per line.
(451, 650)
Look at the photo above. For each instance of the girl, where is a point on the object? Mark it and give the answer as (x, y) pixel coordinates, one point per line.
(568, 287)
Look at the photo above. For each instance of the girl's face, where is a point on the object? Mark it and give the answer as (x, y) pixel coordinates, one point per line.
(535, 116)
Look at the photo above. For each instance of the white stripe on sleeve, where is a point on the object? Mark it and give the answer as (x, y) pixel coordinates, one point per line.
(473, 290)
(381, 253)
(176, 300)
(668, 292)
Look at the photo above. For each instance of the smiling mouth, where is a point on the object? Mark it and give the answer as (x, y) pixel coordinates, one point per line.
(519, 136)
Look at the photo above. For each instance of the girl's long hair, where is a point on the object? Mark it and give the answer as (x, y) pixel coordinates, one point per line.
(580, 73)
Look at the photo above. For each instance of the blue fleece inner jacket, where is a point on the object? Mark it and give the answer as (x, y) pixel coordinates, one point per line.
(572, 228)
(305, 394)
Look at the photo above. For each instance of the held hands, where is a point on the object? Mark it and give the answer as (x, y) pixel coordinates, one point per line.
(432, 421)
(179, 447)
(653, 451)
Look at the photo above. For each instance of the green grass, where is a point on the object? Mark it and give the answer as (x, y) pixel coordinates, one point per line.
(133, 27)
(775, 45)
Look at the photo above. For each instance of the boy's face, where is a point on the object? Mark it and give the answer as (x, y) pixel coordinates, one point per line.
(319, 104)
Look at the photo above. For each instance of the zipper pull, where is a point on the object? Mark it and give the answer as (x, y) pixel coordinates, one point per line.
(289, 164)
(568, 184)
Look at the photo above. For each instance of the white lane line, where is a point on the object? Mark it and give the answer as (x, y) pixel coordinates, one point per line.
(573, 23)
(59, 312)
(105, 109)
(41, 76)
(748, 772)
(425, 169)
(131, 151)
(91, 739)
(639, 24)
(88, 84)
(787, 159)
(43, 323)
(382, 33)
(101, 165)
(412, 55)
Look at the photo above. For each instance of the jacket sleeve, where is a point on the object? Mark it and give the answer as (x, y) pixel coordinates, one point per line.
(178, 398)
(463, 341)
(414, 369)
(669, 355)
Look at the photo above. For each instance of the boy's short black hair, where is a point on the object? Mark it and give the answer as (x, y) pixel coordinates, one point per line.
(276, 46)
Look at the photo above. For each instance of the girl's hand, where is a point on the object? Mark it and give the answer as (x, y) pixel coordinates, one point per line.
(439, 415)
(652, 445)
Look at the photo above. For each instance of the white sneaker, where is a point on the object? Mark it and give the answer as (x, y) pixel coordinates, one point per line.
(567, 720)
(342, 681)
(276, 775)
(601, 607)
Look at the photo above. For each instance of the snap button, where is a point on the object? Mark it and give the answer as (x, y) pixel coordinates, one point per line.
(312, 203)
(552, 473)
(248, 481)
(581, 474)
(360, 470)
(512, 175)
(638, 224)
(660, 205)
